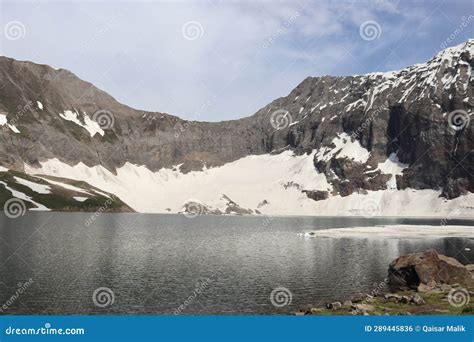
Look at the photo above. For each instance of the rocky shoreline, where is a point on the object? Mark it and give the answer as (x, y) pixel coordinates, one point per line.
(423, 283)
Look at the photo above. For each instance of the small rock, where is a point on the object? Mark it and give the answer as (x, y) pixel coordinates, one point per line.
(424, 288)
(417, 299)
(444, 287)
(334, 306)
(315, 311)
(470, 267)
(405, 299)
(357, 299)
(347, 303)
(363, 307)
(396, 297)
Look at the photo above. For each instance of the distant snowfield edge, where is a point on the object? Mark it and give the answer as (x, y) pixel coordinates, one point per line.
(270, 184)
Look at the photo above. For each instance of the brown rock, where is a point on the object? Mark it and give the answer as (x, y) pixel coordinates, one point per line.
(363, 309)
(393, 297)
(424, 288)
(405, 299)
(316, 195)
(347, 303)
(427, 268)
(417, 299)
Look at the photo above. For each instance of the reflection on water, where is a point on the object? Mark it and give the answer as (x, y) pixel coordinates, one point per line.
(155, 263)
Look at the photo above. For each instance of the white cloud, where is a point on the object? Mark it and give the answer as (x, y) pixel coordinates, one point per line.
(136, 50)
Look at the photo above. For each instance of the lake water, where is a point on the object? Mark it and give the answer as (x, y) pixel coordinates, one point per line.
(207, 265)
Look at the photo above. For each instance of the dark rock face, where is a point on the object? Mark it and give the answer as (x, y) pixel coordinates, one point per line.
(425, 268)
(420, 113)
(316, 195)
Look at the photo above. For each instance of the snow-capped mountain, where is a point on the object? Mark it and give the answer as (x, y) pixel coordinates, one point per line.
(396, 143)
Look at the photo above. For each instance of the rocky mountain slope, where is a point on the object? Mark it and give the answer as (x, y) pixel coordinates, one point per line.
(19, 191)
(327, 145)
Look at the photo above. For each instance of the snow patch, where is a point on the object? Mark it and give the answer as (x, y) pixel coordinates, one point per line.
(66, 186)
(392, 166)
(4, 121)
(344, 147)
(91, 126)
(80, 199)
(39, 188)
(251, 180)
(395, 232)
(22, 196)
(247, 181)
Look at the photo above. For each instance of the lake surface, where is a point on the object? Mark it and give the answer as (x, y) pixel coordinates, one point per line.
(207, 265)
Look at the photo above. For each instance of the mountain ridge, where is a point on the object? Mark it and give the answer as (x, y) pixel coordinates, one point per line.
(417, 116)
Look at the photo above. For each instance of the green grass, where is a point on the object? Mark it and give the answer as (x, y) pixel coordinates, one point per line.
(60, 199)
(436, 304)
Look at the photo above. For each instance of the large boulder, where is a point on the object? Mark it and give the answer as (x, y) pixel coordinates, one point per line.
(426, 269)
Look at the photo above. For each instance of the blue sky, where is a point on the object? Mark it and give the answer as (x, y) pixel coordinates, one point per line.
(215, 60)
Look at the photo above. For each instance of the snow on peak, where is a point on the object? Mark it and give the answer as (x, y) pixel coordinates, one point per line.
(456, 51)
(90, 125)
